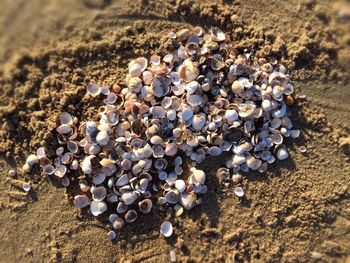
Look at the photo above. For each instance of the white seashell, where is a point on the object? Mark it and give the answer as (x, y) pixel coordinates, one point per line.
(180, 185)
(239, 191)
(156, 139)
(65, 181)
(191, 87)
(40, 153)
(238, 159)
(32, 159)
(135, 70)
(246, 109)
(97, 208)
(231, 115)
(166, 229)
(60, 171)
(93, 89)
(111, 235)
(86, 165)
(178, 210)
(217, 35)
(147, 77)
(266, 105)
(198, 122)
(187, 114)
(171, 115)
(129, 197)
(276, 123)
(172, 197)
(158, 112)
(26, 187)
(294, 133)
(188, 201)
(194, 100)
(199, 175)
(66, 118)
(282, 153)
(188, 71)
(277, 91)
(118, 223)
(122, 208)
(215, 151)
(99, 193)
(171, 149)
(280, 112)
(122, 180)
(98, 179)
(253, 163)
(81, 201)
(102, 138)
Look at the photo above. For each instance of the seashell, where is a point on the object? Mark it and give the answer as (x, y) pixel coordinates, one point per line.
(129, 197)
(26, 187)
(215, 151)
(236, 178)
(160, 163)
(178, 161)
(188, 201)
(171, 115)
(178, 210)
(102, 138)
(217, 35)
(186, 114)
(84, 186)
(72, 147)
(105, 162)
(280, 112)
(276, 138)
(180, 185)
(130, 216)
(199, 175)
(166, 229)
(145, 206)
(198, 31)
(98, 179)
(99, 193)
(302, 149)
(231, 115)
(48, 169)
(172, 197)
(171, 149)
(118, 223)
(281, 152)
(60, 171)
(239, 191)
(192, 140)
(194, 100)
(32, 159)
(157, 111)
(81, 201)
(238, 159)
(191, 87)
(122, 208)
(111, 235)
(188, 70)
(277, 91)
(86, 165)
(276, 123)
(162, 176)
(266, 105)
(198, 122)
(245, 110)
(156, 140)
(253, 163)
(40, 153)
(93, 89)
(98, 207)
(294, 133)
(65, 181)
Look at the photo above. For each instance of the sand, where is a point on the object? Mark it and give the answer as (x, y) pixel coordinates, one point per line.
(299, 211)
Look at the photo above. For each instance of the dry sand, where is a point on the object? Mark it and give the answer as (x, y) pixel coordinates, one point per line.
(299, 211)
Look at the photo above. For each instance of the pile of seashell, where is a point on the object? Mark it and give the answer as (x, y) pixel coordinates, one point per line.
(201, 99)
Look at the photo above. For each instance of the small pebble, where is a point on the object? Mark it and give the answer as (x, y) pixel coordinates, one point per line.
(172, 256)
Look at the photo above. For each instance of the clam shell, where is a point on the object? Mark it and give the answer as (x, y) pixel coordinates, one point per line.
(194, 100)
(199, 175)
(118, 223)
(102, 138)
(99, 193)
(245, 110)
(180, 185)
(253, 163)
(122, 208)
(93, 89)
(166, 229)
(187, 114)
(171, 149)
(129, 197)
(130, 216)
(32, 159)
(239, 191)
(198, 122)
(282, 152)
(98, 207)
(172, 197)
(145, 206)
(188, 201)
(81, 201)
